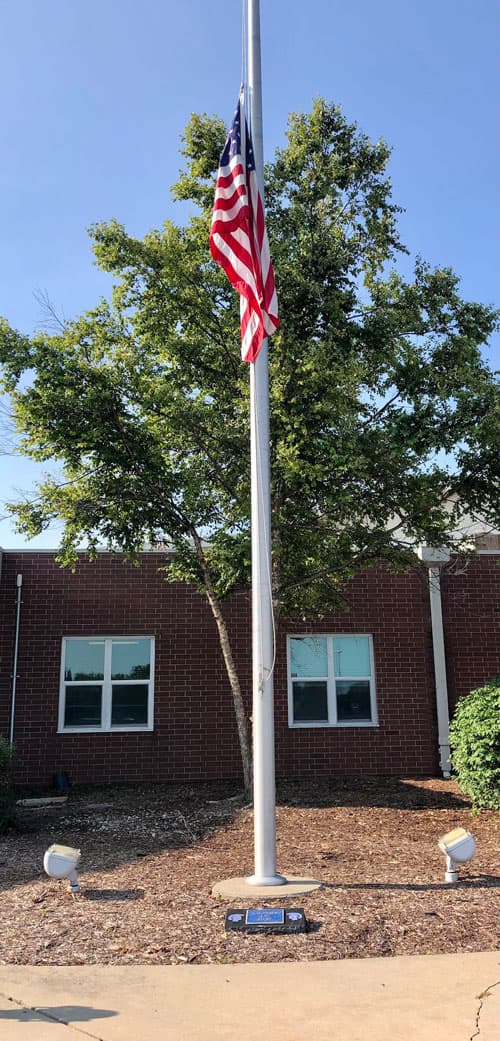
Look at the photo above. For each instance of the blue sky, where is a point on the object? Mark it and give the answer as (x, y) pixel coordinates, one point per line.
(95, 96)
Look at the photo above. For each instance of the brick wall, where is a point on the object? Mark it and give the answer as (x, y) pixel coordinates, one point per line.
(471, 619)
(194, 737)
(394, 609)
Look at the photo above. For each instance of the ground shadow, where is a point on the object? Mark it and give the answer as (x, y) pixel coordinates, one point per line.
(389, 792)
(113, 894)
(114, 825)
(64, 1014)
(476, 882)
(314, 926)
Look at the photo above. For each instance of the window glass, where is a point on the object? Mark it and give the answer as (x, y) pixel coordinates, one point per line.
(308, 656)
(353, 700)
(129, 704)
(82, 707)
(330, 680)
(107, 683)
(351, 655)
(84, 660)
(310, 702)
(130, 660)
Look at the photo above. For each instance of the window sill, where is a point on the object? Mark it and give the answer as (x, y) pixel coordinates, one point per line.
(323, 725)
(111, 730)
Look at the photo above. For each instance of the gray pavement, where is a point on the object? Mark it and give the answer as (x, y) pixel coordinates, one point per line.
(424, 998)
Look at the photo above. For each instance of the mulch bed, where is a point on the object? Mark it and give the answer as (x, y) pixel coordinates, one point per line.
(151, 854)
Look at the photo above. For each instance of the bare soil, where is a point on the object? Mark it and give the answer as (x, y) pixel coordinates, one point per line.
(151, 854)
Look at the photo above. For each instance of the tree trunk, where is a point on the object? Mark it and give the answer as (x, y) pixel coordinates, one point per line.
(239, 708)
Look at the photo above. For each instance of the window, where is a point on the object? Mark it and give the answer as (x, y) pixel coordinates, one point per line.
(106, 683)
(331, 681)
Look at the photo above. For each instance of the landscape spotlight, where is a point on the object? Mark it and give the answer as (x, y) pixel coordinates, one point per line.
(61, 862)
(459, 847)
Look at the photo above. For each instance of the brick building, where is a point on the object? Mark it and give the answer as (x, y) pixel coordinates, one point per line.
(120, 677)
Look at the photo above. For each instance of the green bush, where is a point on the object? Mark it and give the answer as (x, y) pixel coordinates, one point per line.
(475, 745)
(7, 793)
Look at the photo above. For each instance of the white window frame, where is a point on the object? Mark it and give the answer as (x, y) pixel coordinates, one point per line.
(107, 684)
(332, 720)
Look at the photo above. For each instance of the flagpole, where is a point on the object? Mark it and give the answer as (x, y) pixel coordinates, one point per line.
(262, 609)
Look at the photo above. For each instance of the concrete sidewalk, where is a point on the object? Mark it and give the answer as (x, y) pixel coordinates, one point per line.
(429, 998)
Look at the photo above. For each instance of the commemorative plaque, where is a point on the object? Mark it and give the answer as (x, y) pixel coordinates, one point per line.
(266, 920)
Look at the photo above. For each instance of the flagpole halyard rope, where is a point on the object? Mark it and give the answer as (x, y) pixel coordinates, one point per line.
(243, 43)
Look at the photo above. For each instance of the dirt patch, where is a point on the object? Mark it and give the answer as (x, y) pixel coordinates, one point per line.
(150, 856)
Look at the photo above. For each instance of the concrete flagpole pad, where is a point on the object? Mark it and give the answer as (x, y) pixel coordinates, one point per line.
(294, 885)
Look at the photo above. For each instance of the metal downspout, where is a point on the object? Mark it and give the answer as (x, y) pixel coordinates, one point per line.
(443, 712)
(19, 582)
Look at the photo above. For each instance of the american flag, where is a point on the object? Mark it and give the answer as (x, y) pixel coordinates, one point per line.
(238, 238)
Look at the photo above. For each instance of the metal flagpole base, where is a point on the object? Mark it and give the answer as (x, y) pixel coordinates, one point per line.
(266, 880)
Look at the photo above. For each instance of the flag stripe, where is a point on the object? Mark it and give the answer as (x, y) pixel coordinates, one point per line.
(238, 239)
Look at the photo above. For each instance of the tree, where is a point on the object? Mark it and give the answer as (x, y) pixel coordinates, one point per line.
(382, 409)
